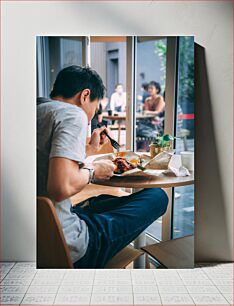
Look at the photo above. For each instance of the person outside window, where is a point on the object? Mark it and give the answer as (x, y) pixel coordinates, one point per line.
(154, 103)
(118, 99)
(145, 95)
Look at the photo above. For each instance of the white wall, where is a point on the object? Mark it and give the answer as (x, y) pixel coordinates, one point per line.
(210, 22)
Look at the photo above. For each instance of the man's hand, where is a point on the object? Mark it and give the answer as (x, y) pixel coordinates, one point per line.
(103, 169)
(98, 138)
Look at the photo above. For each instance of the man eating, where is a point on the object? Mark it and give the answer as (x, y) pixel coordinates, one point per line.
(98, 228)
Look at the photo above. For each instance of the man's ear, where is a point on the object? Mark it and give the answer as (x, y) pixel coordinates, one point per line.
(84, 95)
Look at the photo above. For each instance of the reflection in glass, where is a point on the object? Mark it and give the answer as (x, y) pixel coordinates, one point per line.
(63, 52)
(183, 216)
(150, 94)
(150, 83)
(109, 60)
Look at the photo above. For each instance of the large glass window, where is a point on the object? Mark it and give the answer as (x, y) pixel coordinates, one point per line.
(151, 65)
(183, 204)
(54, 54)
(150, 89)
(63, 52)
(108, 58)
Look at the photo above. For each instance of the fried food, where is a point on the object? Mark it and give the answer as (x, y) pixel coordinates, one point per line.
(123, 165)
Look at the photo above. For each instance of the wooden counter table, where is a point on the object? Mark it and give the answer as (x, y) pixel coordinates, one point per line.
(146, 181)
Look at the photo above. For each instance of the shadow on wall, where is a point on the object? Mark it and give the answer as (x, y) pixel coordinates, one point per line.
(18, 234)
(211, 230)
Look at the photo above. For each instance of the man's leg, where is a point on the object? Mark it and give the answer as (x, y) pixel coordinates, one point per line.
(124, 219)
(123, 224)
(102, 203)
(86, 210)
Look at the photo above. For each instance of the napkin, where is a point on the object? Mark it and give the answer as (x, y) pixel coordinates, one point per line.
(175, 166)
(160, 161)
(166, 163)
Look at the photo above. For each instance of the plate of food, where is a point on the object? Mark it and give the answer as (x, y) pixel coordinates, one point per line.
(133, 164)
(127, 162)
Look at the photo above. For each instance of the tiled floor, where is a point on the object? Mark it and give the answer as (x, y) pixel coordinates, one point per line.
(208, 284)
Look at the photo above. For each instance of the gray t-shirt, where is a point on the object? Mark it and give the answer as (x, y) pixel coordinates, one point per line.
(61, 132)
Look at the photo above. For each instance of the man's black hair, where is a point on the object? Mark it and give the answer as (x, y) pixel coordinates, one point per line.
(74, 79)
(156, 85)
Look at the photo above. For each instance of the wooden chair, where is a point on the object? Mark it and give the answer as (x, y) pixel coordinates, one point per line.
(52, 250)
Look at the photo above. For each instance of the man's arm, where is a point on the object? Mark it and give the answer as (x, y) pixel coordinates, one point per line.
(65, 178)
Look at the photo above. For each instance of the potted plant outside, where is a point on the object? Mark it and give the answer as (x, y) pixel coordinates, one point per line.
(161, 144)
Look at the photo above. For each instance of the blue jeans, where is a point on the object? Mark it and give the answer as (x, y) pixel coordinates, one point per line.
(114, 222)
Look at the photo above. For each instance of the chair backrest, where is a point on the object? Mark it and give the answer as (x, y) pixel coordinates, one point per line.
(52, 250)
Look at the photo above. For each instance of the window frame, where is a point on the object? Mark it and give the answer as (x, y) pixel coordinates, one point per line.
(170, 111)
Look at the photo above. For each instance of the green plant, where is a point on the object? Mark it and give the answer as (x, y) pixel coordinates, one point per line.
(161, 51)
(163, 141)
(185, 68)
